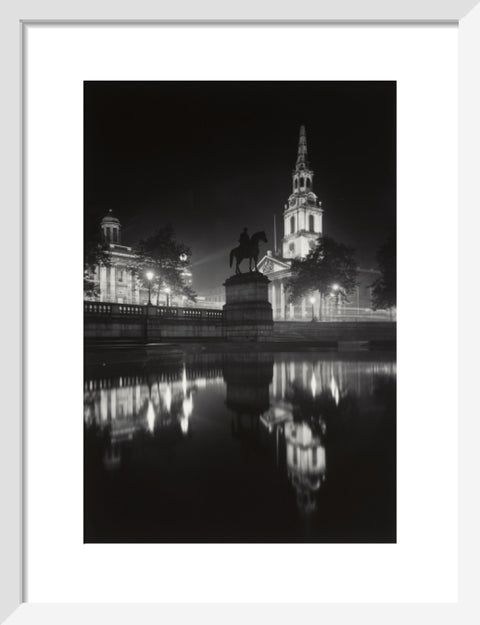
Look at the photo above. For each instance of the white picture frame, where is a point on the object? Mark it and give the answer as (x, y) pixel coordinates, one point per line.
(14, 16)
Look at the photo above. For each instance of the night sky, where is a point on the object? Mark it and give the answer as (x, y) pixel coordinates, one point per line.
(213, 157)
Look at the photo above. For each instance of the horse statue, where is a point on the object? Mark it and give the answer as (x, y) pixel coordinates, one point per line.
(250, 251)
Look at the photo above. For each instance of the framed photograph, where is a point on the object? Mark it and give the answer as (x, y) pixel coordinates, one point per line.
(208, 409)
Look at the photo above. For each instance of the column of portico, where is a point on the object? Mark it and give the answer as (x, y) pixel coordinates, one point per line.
(137, 288)
(274, 307)
(133, 289)
(282, 300)
(103, 282)
(112, 283)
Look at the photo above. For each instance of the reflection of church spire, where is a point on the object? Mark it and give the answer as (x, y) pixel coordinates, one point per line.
(302, 157)
(306, 463)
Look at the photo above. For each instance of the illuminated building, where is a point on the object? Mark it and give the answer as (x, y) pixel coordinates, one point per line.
(302, 225)
(117, 281)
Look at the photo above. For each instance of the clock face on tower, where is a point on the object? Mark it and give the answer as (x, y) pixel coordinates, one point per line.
(292, 202)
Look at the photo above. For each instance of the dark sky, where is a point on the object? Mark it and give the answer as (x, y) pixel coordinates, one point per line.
(213, 157)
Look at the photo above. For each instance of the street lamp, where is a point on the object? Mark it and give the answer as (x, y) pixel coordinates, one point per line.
(167, 291)
(149, 276)
(335, 290)
(312, 302)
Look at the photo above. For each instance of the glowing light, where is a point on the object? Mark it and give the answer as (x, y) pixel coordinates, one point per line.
(313, 384)
(168, 398)
(187, 412)
(334, 390)
(335, 287)
(149, 275)
(188, 406)
(150, 416)
(184, 381)
(184, 425)
(312, 300)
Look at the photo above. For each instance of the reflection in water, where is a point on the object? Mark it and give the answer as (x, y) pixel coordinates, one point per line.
(306, 463)
(288, 414)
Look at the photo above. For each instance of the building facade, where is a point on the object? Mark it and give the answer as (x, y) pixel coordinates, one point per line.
(303, 224)
(118, 280)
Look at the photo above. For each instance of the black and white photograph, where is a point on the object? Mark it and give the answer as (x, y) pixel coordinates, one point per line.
(240, 312)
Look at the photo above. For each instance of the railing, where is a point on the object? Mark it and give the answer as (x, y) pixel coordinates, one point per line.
(97, 308)
(104, 309)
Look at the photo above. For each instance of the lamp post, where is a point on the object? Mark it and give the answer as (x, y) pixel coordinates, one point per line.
(149, 276)
(312, 302)
(167, 291)
(335, 289)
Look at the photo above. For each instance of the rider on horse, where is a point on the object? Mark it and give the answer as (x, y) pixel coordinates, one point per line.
(248, 248)
(244, 239)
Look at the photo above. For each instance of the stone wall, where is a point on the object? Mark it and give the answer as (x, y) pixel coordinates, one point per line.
(105, 322)
(110, 323)
(335, 332)
(247, 314)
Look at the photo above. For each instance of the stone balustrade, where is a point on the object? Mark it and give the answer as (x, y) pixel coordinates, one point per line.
(243, 320)
(106, 309)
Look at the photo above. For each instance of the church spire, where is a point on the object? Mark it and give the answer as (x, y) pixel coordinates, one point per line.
(302, 156)
(302, 216)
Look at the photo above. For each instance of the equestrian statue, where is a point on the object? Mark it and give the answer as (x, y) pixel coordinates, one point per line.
(248, 248)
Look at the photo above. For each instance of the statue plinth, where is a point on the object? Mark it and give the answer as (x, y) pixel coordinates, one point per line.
(247, 313)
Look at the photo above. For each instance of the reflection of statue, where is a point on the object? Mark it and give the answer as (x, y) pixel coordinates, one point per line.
(248, 377)
(248, 248)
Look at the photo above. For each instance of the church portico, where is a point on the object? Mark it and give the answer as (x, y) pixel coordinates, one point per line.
(282, 308)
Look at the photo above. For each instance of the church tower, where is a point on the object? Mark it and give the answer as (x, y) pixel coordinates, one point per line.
(303, 214)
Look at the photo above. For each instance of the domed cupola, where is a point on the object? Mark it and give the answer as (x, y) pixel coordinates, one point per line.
(111, 228)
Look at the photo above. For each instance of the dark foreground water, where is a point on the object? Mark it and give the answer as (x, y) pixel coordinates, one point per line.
(242, 447)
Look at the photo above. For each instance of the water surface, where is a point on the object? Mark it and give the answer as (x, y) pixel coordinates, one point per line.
(242, 447)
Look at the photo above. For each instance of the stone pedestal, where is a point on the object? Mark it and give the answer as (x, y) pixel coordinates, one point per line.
(247, 314)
